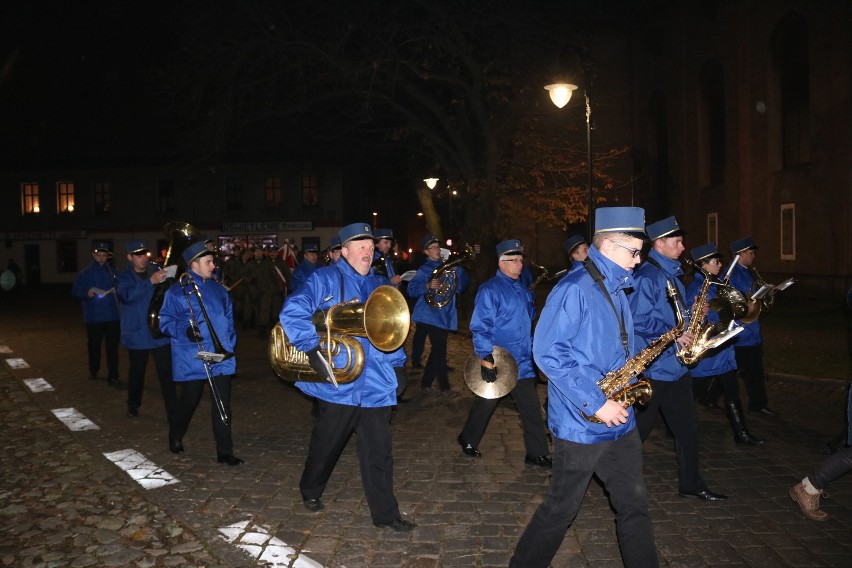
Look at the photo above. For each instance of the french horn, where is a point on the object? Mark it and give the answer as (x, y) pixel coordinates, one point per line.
(383, 319)
(443, 295)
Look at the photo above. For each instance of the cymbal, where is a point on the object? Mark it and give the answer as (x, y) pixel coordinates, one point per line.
(507, 374)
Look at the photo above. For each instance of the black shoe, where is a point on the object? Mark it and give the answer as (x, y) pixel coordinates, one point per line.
(229, 459)
(175, 446)
(398, 525)
(417, 365)
(313, 505)
(540, 461)
(706, 495)
(468, 449)
(132, 412)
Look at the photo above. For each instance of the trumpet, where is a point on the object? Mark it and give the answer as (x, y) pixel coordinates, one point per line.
(219, 354)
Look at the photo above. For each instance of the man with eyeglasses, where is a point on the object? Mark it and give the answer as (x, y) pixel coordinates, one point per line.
(584, 332)
(717, 370)
(503, 312)
(654, 315)
(135, 287)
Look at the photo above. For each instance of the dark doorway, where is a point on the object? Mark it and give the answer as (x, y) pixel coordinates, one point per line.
(32, 265)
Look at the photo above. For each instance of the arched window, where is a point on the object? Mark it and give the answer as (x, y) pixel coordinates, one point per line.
(790, 54)
(711, 124)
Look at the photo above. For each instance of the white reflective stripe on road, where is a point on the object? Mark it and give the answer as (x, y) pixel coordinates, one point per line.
(17, 363)
(74, 420)
(38, 385)
(142, 470)
(5, 349)
(262, 546)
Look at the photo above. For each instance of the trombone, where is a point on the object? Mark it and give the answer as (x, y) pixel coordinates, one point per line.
(219, 354)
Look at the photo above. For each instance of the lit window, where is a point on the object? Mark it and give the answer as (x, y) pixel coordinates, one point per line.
(102, 197)
(272, 192)
(310, 191)
(29, 199)
(65, 196)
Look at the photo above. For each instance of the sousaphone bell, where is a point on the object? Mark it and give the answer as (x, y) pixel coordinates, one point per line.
(507, 374)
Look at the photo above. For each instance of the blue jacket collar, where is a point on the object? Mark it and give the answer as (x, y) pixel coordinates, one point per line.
(671, 267)
(615, 277)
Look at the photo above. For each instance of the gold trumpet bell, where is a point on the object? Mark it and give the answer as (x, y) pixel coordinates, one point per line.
(386, 318)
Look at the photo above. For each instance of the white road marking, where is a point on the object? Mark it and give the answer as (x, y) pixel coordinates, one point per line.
(142, 470)
(38, 385)
(17, 363)
(263, 547)
(75, 421)
(5, 349)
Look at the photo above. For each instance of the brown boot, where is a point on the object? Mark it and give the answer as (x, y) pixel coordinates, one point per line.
(809, 504)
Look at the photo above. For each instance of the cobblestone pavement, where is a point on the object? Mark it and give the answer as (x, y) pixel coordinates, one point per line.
(65, 504)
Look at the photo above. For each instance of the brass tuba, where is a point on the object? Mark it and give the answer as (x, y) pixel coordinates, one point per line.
(443, 295)
(383, 319)
(705, 334)
(180, 236)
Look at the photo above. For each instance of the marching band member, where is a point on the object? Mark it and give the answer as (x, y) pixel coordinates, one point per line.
(187, 369)
(748, 345)
(363, 405)
(719, 365)
(584, 332)
(578, 251)
(437, 321)
(94, 286)
(310, 262)
(135, 288)
(653, 315)
(503, 312)
(334, 249)
(384, 246)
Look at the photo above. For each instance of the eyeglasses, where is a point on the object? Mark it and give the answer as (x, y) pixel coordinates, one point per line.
(633, 252)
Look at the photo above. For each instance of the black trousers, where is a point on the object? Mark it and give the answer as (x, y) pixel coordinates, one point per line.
(136, 378)
(526, 400)
(618, 464)
(418, 344)
(189, 394)
(674, 399)
(436, 365)
(708, 389)
(109, 333)
(750, 364)
(332, 429)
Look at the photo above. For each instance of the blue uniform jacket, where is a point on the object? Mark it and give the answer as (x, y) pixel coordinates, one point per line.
(577, 341)
(446, 317)
(96, 309)
(389, 266)
(742, 279)
(654, 313)
(716, 361)
(301, 274)
(174, 320)
(134, 294)
(376, 387)
(502, 315)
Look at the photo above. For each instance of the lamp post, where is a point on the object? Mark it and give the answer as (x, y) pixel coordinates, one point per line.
(560, 94)
(375, 220)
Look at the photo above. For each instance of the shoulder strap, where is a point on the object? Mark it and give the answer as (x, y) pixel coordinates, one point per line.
(596, 275)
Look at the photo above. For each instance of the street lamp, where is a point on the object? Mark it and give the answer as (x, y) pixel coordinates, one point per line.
(375, 220)
(560, 94)
(431, 182)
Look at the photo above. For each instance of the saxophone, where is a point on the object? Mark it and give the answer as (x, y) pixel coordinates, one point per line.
(616, 384)
(704, 333)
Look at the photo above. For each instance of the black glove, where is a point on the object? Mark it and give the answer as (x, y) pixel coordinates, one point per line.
(320, 365)
(488, 375)
(193, 333)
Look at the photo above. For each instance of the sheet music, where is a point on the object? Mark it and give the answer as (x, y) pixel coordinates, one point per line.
(406, 276)
(210, 357)
(171, 270)
(762, 291)
(784, 285)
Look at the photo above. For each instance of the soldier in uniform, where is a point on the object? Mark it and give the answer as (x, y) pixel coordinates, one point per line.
(260, 278)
